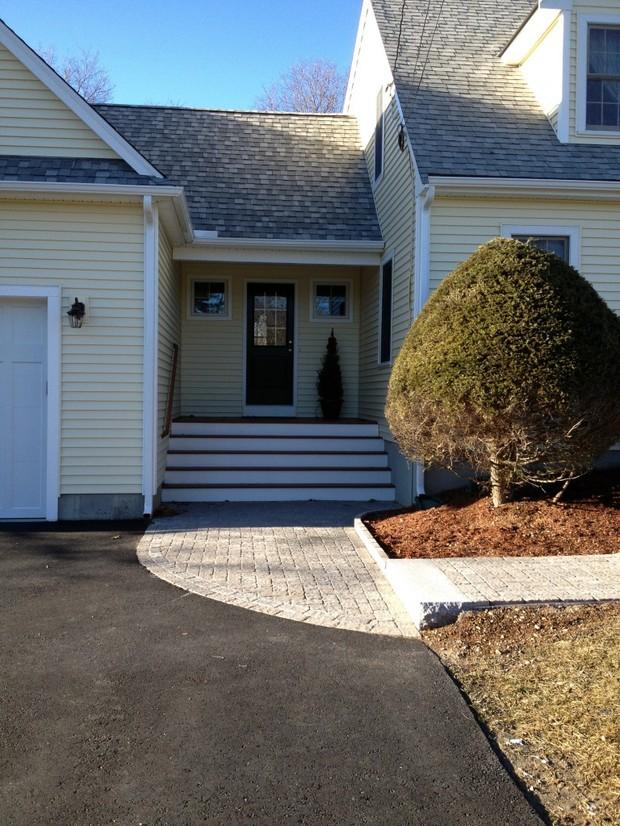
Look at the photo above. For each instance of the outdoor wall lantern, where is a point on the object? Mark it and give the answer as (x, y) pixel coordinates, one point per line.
(76, 313)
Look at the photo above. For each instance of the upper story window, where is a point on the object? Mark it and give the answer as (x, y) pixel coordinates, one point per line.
(379, 137)
(603, 82)
(558, 244)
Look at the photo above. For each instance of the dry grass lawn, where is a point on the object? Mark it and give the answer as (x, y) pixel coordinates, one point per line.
(546, 682)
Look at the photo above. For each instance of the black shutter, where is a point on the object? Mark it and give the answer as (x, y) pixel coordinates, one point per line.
(386, 313)
(379, 136)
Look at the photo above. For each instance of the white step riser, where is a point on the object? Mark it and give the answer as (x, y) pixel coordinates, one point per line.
(250, 444)
(231, 460)
(277, 477)
(279, 495)
(272, 429)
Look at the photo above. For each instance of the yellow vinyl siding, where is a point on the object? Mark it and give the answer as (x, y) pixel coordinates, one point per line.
(33, 121)
(212, 379)
(600, 8)
(459, 226)
(394, 200)
(169, 334)
(95, 253)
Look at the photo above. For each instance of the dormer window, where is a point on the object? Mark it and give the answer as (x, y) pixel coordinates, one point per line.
(603, 81)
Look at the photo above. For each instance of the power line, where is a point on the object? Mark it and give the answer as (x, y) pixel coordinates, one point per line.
(400, 34)
(421, 40)
(428, 53)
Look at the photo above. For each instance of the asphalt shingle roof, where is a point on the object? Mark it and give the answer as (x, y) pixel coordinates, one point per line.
(473, 115)
(256, 174)
(70, 170)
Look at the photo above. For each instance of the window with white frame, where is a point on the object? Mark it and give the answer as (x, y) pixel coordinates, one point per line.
(379, 136)
(210, 299)
(557, 244)
(603, 78)
(385, 313)
(330, 301)
(564, 241)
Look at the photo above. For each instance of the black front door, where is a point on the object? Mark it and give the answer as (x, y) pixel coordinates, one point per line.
(270, 358)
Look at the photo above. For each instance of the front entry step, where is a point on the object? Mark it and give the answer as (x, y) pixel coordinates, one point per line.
(265, 460)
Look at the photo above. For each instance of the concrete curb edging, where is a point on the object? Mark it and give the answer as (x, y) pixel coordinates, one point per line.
(427, 594)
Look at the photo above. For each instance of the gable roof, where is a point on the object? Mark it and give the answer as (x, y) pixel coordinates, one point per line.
(75, 102)
(474, 115)
(259, 174)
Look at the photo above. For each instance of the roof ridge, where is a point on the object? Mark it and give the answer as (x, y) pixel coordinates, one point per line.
(225, 111)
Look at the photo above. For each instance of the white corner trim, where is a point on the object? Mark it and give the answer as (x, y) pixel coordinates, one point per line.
(581, 67)
(563, 125)
(83, 110)
(422, 257)
(573, 233)
(151, 325)
(54, 332)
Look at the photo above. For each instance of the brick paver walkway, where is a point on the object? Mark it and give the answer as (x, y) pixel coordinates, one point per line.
(300, 561)
(535, 579)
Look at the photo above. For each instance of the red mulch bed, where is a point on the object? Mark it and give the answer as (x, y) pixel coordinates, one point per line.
(466, 524)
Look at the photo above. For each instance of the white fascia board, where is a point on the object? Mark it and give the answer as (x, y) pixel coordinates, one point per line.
(268, 251)
(530, 35)
(56, 188)
(356, 53)
(525, 187)
(75, 102)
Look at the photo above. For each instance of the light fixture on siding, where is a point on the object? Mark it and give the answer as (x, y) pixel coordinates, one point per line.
(76, 313)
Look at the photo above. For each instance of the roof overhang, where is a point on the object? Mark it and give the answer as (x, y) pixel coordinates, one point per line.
(533, 31)
(206, 247)
(524, 188)
(170, 199)
(75, 102)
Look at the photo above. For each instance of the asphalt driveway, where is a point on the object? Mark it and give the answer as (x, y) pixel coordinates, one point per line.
(125, 700)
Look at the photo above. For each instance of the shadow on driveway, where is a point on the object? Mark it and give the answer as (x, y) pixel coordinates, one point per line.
(124, 700)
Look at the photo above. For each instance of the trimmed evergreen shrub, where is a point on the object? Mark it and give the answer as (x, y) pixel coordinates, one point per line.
(513, 368)
(329, 385)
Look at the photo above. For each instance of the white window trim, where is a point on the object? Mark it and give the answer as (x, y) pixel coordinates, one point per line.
(328, 319)
(583, 22)
(192, 316)
(377, 181)
(385, 260)
(572, 232)
(54, 320)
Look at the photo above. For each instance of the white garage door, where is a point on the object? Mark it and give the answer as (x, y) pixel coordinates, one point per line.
(23, 371)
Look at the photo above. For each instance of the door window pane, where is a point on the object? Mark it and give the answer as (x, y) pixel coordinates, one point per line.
(270, 320)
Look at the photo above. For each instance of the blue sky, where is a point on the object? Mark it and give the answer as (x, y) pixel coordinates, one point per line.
(214, 53)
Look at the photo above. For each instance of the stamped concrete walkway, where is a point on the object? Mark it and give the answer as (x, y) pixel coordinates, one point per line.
(300, 561)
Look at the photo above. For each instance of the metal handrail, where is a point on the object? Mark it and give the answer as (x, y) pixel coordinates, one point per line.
(169, 404)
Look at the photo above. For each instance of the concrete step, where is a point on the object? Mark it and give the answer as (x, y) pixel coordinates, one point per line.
(300, 427)
(273, 459)
(267, 493)
(287, 444)
(278, 476)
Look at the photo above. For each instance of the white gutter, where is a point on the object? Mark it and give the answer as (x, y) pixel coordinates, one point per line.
(526, 187)
(43, 187)
(206, 247)
(151, 316)
(208, 239)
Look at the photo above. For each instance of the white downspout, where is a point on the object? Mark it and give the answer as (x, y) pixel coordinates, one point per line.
(422, 261)
(151, 316)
